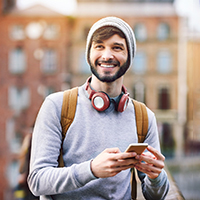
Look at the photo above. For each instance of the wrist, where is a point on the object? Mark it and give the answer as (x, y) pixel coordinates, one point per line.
(91, 168)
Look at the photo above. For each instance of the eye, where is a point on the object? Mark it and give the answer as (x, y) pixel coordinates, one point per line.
(98, 46)
(118, 48)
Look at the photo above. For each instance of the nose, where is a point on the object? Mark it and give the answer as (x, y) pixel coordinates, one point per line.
(107, 54)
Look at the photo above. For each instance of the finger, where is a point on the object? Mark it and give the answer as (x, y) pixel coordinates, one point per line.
(156, 153)
(122, 163)
(149, 155)
(115, 168)
(126, 155)
(150, 174)
(127, 162)
(125, 167)
(151, 161)
(112, 150)
(151, 171)
(146, 154)
(149, 168)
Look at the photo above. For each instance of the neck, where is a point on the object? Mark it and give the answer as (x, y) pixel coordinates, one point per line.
(113, 89)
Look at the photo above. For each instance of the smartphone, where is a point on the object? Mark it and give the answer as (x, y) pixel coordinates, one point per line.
(137, 147)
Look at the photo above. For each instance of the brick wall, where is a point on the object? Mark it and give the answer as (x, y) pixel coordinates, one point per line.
(32, 78)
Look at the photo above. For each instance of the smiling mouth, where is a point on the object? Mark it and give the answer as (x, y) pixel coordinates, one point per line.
(108, 64)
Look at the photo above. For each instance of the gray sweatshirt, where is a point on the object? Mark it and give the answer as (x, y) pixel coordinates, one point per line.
(90, 133)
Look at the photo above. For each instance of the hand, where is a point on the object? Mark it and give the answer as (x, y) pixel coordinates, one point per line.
(111, 161)
(153, 163)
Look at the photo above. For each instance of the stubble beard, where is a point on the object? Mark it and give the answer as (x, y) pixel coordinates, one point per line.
(106, 77)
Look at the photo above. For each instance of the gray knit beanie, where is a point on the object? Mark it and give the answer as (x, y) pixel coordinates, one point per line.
(121, 25)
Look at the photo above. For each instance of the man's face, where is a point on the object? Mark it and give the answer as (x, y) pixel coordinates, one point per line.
(109, 58)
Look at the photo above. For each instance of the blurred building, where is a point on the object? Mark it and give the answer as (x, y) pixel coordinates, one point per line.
(193, 97)
(34, 56)
(44, 51)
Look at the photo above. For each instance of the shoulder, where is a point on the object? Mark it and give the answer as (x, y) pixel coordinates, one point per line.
(150, 113)
(55, 97)
(52, 103)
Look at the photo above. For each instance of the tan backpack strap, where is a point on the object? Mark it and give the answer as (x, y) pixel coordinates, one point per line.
(133, 185)
(67, 115)
(141, 120)
(68, 109)
(142, 129)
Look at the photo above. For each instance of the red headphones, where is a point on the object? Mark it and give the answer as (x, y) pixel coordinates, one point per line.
(101, 101)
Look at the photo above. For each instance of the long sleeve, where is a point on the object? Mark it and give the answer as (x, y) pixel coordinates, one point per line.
(153, 189)
(44, 177)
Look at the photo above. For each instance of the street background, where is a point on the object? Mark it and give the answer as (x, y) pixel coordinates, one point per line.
(42, 50)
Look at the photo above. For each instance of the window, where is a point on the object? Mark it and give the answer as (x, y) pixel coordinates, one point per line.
(17, 61)
(51, 32)
(164, 62)
(167, 140)
(163, 31)
(13, 174)
(84, 67)
(17, 32)
(19, 98)
(164, 98)
(140, 32)
(139, 63)
(14, 139)
(49, 61)
(139, 92)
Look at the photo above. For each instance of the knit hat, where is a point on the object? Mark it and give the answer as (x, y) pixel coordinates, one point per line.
(121, 25)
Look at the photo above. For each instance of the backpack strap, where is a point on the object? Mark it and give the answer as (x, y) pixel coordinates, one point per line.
(68, 109)
(142, 129)
(67, 115)
(141, 120)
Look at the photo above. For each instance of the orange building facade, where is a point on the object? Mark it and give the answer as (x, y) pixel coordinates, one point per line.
(43, 52)
(193, 95)
(33, 63)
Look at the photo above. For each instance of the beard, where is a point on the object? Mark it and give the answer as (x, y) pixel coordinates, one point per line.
(106, 77)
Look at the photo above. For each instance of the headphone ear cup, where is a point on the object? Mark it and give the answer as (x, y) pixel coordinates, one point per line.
(100, 101)
(123, 103)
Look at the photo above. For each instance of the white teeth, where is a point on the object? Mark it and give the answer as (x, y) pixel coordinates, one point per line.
(107, 66)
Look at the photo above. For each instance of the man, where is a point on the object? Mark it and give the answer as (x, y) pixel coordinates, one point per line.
(96, 164)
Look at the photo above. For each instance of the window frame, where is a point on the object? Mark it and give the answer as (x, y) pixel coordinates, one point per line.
(17, 60)
(49, 61)
(164, 62)
(140, 32)
(163, 31)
